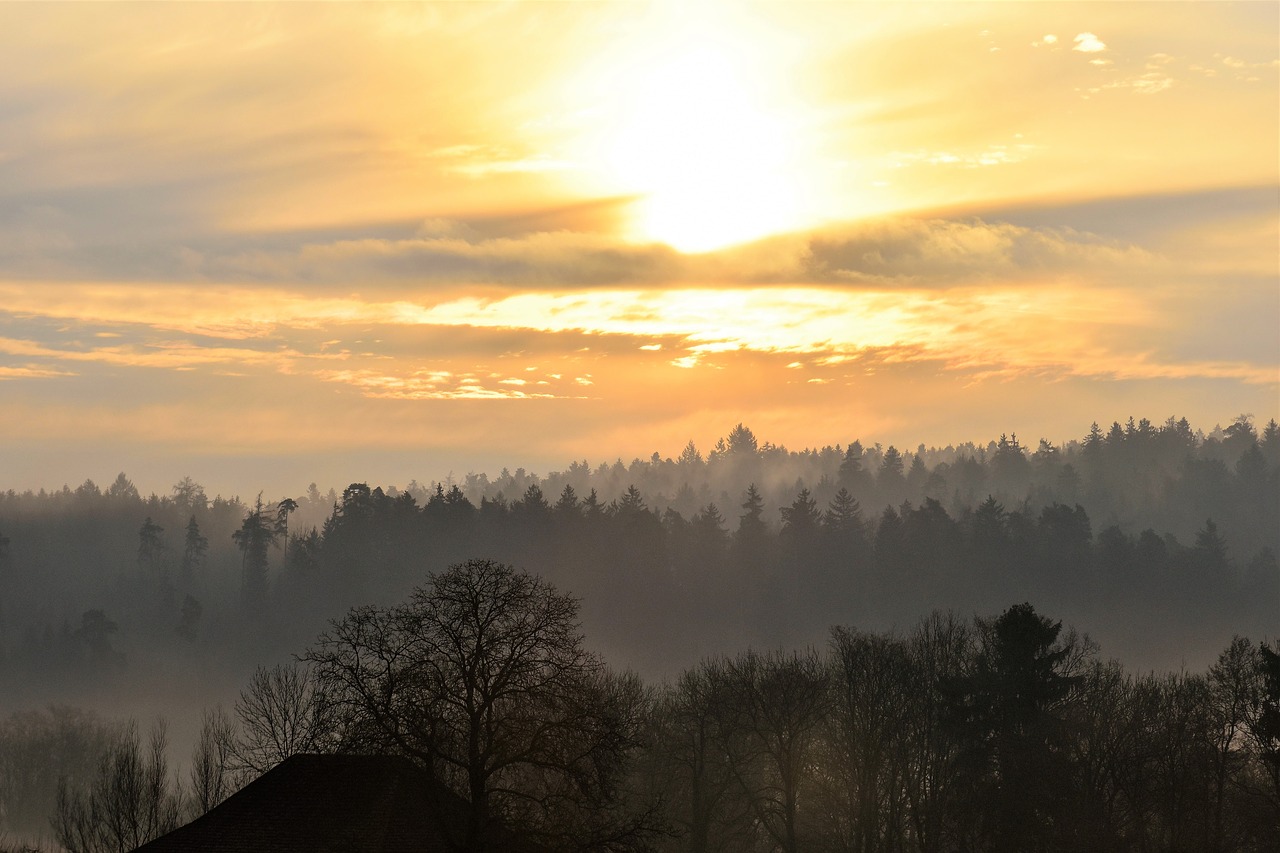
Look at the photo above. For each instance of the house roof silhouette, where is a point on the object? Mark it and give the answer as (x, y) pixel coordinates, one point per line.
(336, 804)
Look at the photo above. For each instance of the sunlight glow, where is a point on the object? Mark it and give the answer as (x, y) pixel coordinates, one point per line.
(713, 164)
(697, 120)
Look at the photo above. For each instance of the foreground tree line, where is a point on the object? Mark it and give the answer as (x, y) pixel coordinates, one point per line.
(1005, 733)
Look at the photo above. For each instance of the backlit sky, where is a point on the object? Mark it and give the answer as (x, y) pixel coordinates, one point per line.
(264, 245)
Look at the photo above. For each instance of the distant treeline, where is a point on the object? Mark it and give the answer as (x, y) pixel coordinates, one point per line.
(1162, 538)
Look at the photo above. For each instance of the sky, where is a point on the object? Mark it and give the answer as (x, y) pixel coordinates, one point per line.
(265, 245)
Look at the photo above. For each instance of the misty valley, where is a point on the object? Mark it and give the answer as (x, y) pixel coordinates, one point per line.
(847, 648)
(888, 394)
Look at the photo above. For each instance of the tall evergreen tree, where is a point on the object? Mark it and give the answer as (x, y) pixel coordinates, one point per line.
(150, 547)
(194, 547)
(889, 479)
(852, 474)
(284, 509)
(690, 459)
(256, 535)
(800, 520)
(751, 524)
(1009, 715)
(567, 507)
(742, 440)
(843, 518)
(631, 502)
(710, 523)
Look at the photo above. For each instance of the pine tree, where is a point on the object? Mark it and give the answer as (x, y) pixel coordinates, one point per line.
(256, 534)
(150, 548)
(751, 524)
(632, 502)
(710, 522)
(567, 506)
(843, 515)
(193, 550)
(283, 511)
(1008, 713)
(800, 520)
(889, 479)
(742, 440)
(690, 458)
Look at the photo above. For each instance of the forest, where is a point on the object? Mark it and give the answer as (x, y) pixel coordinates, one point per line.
(842, 648)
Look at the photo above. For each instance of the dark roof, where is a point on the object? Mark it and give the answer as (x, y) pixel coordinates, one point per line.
(333, 804)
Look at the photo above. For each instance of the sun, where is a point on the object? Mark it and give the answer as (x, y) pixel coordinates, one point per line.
(696, 133)
(713, 166)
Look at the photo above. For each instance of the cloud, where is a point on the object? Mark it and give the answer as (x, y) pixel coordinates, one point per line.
(1150, 83)
(481, 161)
(941, 252)
(1237, 63)
(881, 250)
(424, 385)
(173, 355)
(547, 258)
(1149, 220)
(452, 255)
(31, 372)
(992, 155)
(1088, 43)
(1050, 330)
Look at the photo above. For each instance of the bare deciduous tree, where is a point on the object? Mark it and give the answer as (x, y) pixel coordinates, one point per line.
(282, 712)
(37, 748)
(213, 773)
(778, 703)
(865, 739)
(703, 799)
(483, 678)
(128, 802)
(942, 649)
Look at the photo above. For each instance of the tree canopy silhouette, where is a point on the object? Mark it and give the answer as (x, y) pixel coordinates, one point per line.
(482, 677)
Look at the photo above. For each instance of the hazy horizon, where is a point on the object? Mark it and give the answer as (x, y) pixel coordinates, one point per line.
(279, 475)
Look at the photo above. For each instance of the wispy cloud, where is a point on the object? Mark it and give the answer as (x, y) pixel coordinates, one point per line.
(425, 385)
(161, 355)
(30, 372)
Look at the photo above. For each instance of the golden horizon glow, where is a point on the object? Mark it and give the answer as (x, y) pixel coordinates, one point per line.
(1017, 331)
